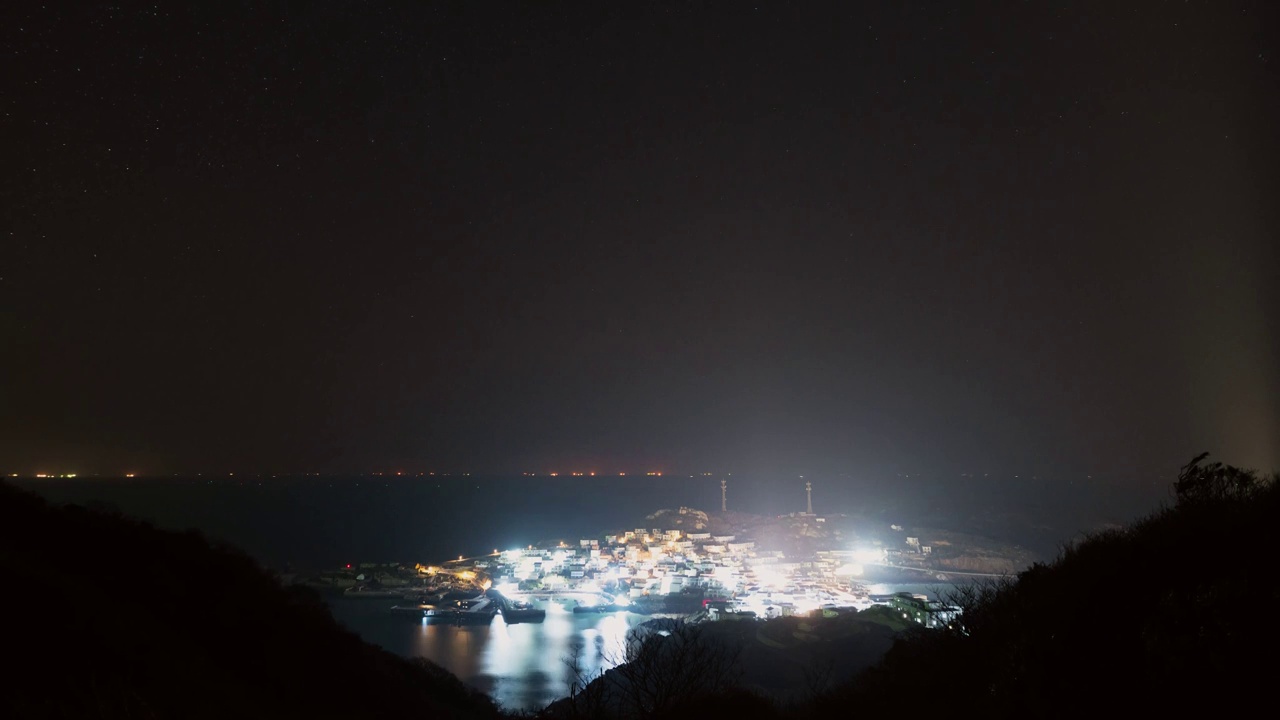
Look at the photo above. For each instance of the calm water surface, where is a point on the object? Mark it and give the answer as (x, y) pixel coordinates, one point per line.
(523, 666)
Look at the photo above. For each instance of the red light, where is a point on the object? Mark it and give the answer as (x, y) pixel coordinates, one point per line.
(348, 566)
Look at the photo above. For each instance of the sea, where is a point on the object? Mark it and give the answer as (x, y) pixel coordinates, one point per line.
(306, 523)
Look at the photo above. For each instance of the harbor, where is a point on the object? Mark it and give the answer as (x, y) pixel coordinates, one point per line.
(685, 562)
(522, 664)
(523, 624)
(461, 608)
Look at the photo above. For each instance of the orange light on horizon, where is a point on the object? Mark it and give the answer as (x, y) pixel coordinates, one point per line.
(128, 475)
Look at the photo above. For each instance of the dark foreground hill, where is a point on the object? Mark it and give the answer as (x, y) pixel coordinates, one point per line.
(1174, 615)
(108, 617)
(675, 669)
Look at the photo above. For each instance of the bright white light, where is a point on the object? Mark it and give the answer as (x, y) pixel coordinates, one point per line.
(805, 605)
(508, 588)
(770, 578)
(868, 555)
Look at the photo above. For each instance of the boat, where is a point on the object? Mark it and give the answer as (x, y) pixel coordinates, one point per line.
(439, 612)
(416, 610)
(363, 591)
(426, 598)
(521, 612)
(471, 611)
(595, 608)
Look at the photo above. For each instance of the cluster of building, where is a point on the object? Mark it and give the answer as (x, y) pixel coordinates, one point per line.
(648, 563)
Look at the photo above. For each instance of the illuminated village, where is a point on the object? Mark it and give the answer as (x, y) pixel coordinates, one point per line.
(684, 561)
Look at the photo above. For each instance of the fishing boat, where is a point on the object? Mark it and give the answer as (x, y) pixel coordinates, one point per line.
(522, 612)
(471, 611)
(365, 591)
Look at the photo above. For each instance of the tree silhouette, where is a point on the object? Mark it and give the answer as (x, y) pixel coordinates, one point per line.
(661, 674)
(1214, 482)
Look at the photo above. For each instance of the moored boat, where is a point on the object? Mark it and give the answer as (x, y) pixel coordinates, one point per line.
(522, 612)
(471, 611)
(363, 591)
(603, 608)
(415, 610)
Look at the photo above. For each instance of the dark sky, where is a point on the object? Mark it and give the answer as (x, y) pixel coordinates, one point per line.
(857, 238)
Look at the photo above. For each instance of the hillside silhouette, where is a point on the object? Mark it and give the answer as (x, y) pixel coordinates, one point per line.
(1169, 615)
(112, 618)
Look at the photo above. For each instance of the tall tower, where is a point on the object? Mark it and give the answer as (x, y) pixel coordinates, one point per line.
(808, 496)
(724, 504)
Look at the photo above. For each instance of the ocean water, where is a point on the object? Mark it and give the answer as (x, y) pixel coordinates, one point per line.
(319, 522)
(524, 666)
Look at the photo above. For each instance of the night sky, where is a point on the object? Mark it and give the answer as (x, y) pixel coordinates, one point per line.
(846, 238)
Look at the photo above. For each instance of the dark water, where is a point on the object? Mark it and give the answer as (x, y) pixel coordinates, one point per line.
(315, 522)
(524, 666)
(311, 522)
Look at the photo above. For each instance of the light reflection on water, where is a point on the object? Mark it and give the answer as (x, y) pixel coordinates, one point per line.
(523, 666)
(527, 665)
